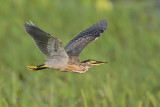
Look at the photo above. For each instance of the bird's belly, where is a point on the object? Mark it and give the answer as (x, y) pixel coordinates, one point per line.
(56, 64)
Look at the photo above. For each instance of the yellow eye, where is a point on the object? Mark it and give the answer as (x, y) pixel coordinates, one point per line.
(92, 62)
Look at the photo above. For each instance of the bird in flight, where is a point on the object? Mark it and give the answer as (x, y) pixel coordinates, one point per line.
(65, 58)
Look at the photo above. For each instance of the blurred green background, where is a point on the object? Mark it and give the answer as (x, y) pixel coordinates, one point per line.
(131, 45)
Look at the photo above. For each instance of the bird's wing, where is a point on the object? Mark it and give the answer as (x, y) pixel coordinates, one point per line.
(47, 44)
(76, 45)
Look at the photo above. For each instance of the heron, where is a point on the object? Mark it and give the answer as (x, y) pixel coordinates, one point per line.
(65, 58)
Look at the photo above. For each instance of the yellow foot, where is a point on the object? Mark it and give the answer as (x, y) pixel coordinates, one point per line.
(32, 67)
(39, 67)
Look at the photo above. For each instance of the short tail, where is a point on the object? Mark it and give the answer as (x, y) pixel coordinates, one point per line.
(39, 67)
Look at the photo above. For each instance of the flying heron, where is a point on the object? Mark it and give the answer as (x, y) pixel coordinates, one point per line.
(65, 58)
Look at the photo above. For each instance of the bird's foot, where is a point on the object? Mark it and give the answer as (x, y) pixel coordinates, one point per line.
(32, 67)
(39, 67)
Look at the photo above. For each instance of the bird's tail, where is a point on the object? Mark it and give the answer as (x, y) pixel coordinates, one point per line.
(39, 67)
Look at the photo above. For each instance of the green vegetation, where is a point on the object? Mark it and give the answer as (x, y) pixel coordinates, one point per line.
(131, 45)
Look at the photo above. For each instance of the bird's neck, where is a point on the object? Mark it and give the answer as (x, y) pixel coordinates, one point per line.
(79, 68)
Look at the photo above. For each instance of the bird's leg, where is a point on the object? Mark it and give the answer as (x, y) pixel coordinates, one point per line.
(39, 67)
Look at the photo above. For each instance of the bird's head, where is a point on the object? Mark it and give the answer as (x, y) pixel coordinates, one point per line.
(91, 62)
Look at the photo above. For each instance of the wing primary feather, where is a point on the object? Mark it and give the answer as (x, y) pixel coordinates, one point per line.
(47, 44)
(78, 43)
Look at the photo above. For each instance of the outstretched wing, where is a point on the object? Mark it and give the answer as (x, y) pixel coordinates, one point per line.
(76, 45)
(47, 44)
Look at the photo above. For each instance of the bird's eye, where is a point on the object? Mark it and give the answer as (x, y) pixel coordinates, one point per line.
(92, 62)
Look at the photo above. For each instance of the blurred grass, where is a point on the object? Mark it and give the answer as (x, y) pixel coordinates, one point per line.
(131, 45)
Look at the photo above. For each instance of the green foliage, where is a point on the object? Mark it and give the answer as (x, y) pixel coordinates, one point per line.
(131, 45)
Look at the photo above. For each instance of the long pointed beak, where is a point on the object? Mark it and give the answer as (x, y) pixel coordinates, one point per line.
(99, 63)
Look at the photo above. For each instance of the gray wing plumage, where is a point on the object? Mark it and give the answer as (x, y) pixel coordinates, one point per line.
(47, 44)
(76, 45)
